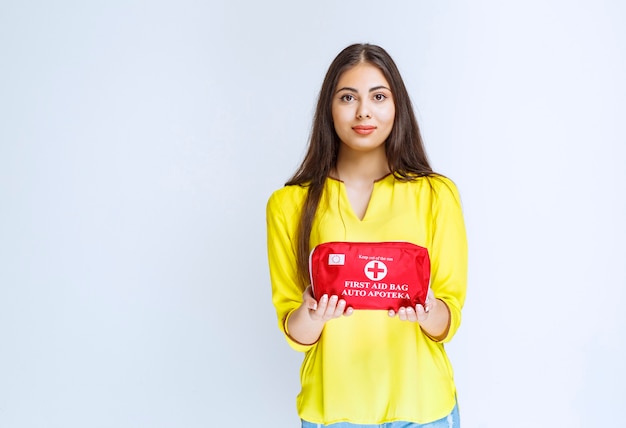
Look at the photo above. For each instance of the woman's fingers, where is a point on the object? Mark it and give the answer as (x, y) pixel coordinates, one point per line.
(329, 308)
(407, 314)
(339, 309)
(417, 314)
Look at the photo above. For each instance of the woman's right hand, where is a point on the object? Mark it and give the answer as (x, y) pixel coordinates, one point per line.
(306, 323)
(327, 308)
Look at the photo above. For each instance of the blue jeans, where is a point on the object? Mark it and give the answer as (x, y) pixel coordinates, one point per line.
(450, 421)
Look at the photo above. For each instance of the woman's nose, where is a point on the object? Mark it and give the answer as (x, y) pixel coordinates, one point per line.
(363, 112)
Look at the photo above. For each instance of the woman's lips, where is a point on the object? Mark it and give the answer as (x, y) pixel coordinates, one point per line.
(364, 129)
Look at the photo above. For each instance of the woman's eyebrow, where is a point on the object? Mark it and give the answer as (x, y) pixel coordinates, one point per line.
(349, 89)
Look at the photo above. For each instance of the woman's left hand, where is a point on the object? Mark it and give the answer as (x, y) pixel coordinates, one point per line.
(417, 314)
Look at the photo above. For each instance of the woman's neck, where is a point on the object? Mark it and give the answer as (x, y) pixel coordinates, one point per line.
(361, 167)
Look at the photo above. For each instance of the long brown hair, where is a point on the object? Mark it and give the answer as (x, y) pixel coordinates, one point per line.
(404, 147)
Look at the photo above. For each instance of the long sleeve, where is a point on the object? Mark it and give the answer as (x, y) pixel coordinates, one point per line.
(449, 252)
(282, 224)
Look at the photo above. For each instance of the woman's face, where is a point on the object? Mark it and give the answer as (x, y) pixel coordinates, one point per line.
(363, 108)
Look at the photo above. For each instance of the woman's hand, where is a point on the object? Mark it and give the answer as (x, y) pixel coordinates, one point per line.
(306, 323)
(327, 308)
(419, 313)
(433, 317)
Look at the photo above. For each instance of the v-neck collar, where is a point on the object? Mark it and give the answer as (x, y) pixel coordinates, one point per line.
(344, 200)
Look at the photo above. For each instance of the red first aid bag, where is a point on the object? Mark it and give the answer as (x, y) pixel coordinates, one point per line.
(371, 275)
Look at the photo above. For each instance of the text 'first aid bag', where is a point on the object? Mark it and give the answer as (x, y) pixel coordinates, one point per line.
(371, 275)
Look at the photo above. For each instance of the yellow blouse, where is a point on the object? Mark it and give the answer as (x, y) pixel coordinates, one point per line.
(369, 368)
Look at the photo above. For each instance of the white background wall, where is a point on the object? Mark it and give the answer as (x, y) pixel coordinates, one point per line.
(139, 142)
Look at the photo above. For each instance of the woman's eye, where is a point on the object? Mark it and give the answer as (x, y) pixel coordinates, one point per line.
(380, 97)
(347, 98)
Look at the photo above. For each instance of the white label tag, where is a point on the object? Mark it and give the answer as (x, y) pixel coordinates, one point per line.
(336, 259)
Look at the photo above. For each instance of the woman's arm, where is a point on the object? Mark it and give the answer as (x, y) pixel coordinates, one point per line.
(300, 316)
(441, 317)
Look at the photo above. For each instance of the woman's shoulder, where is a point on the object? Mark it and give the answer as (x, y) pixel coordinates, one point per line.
(439, 187)
(287, 198)
(441, 182)
(434, 180)
(289, 191)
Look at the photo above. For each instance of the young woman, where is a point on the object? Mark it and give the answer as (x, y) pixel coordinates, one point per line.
(366, 178)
